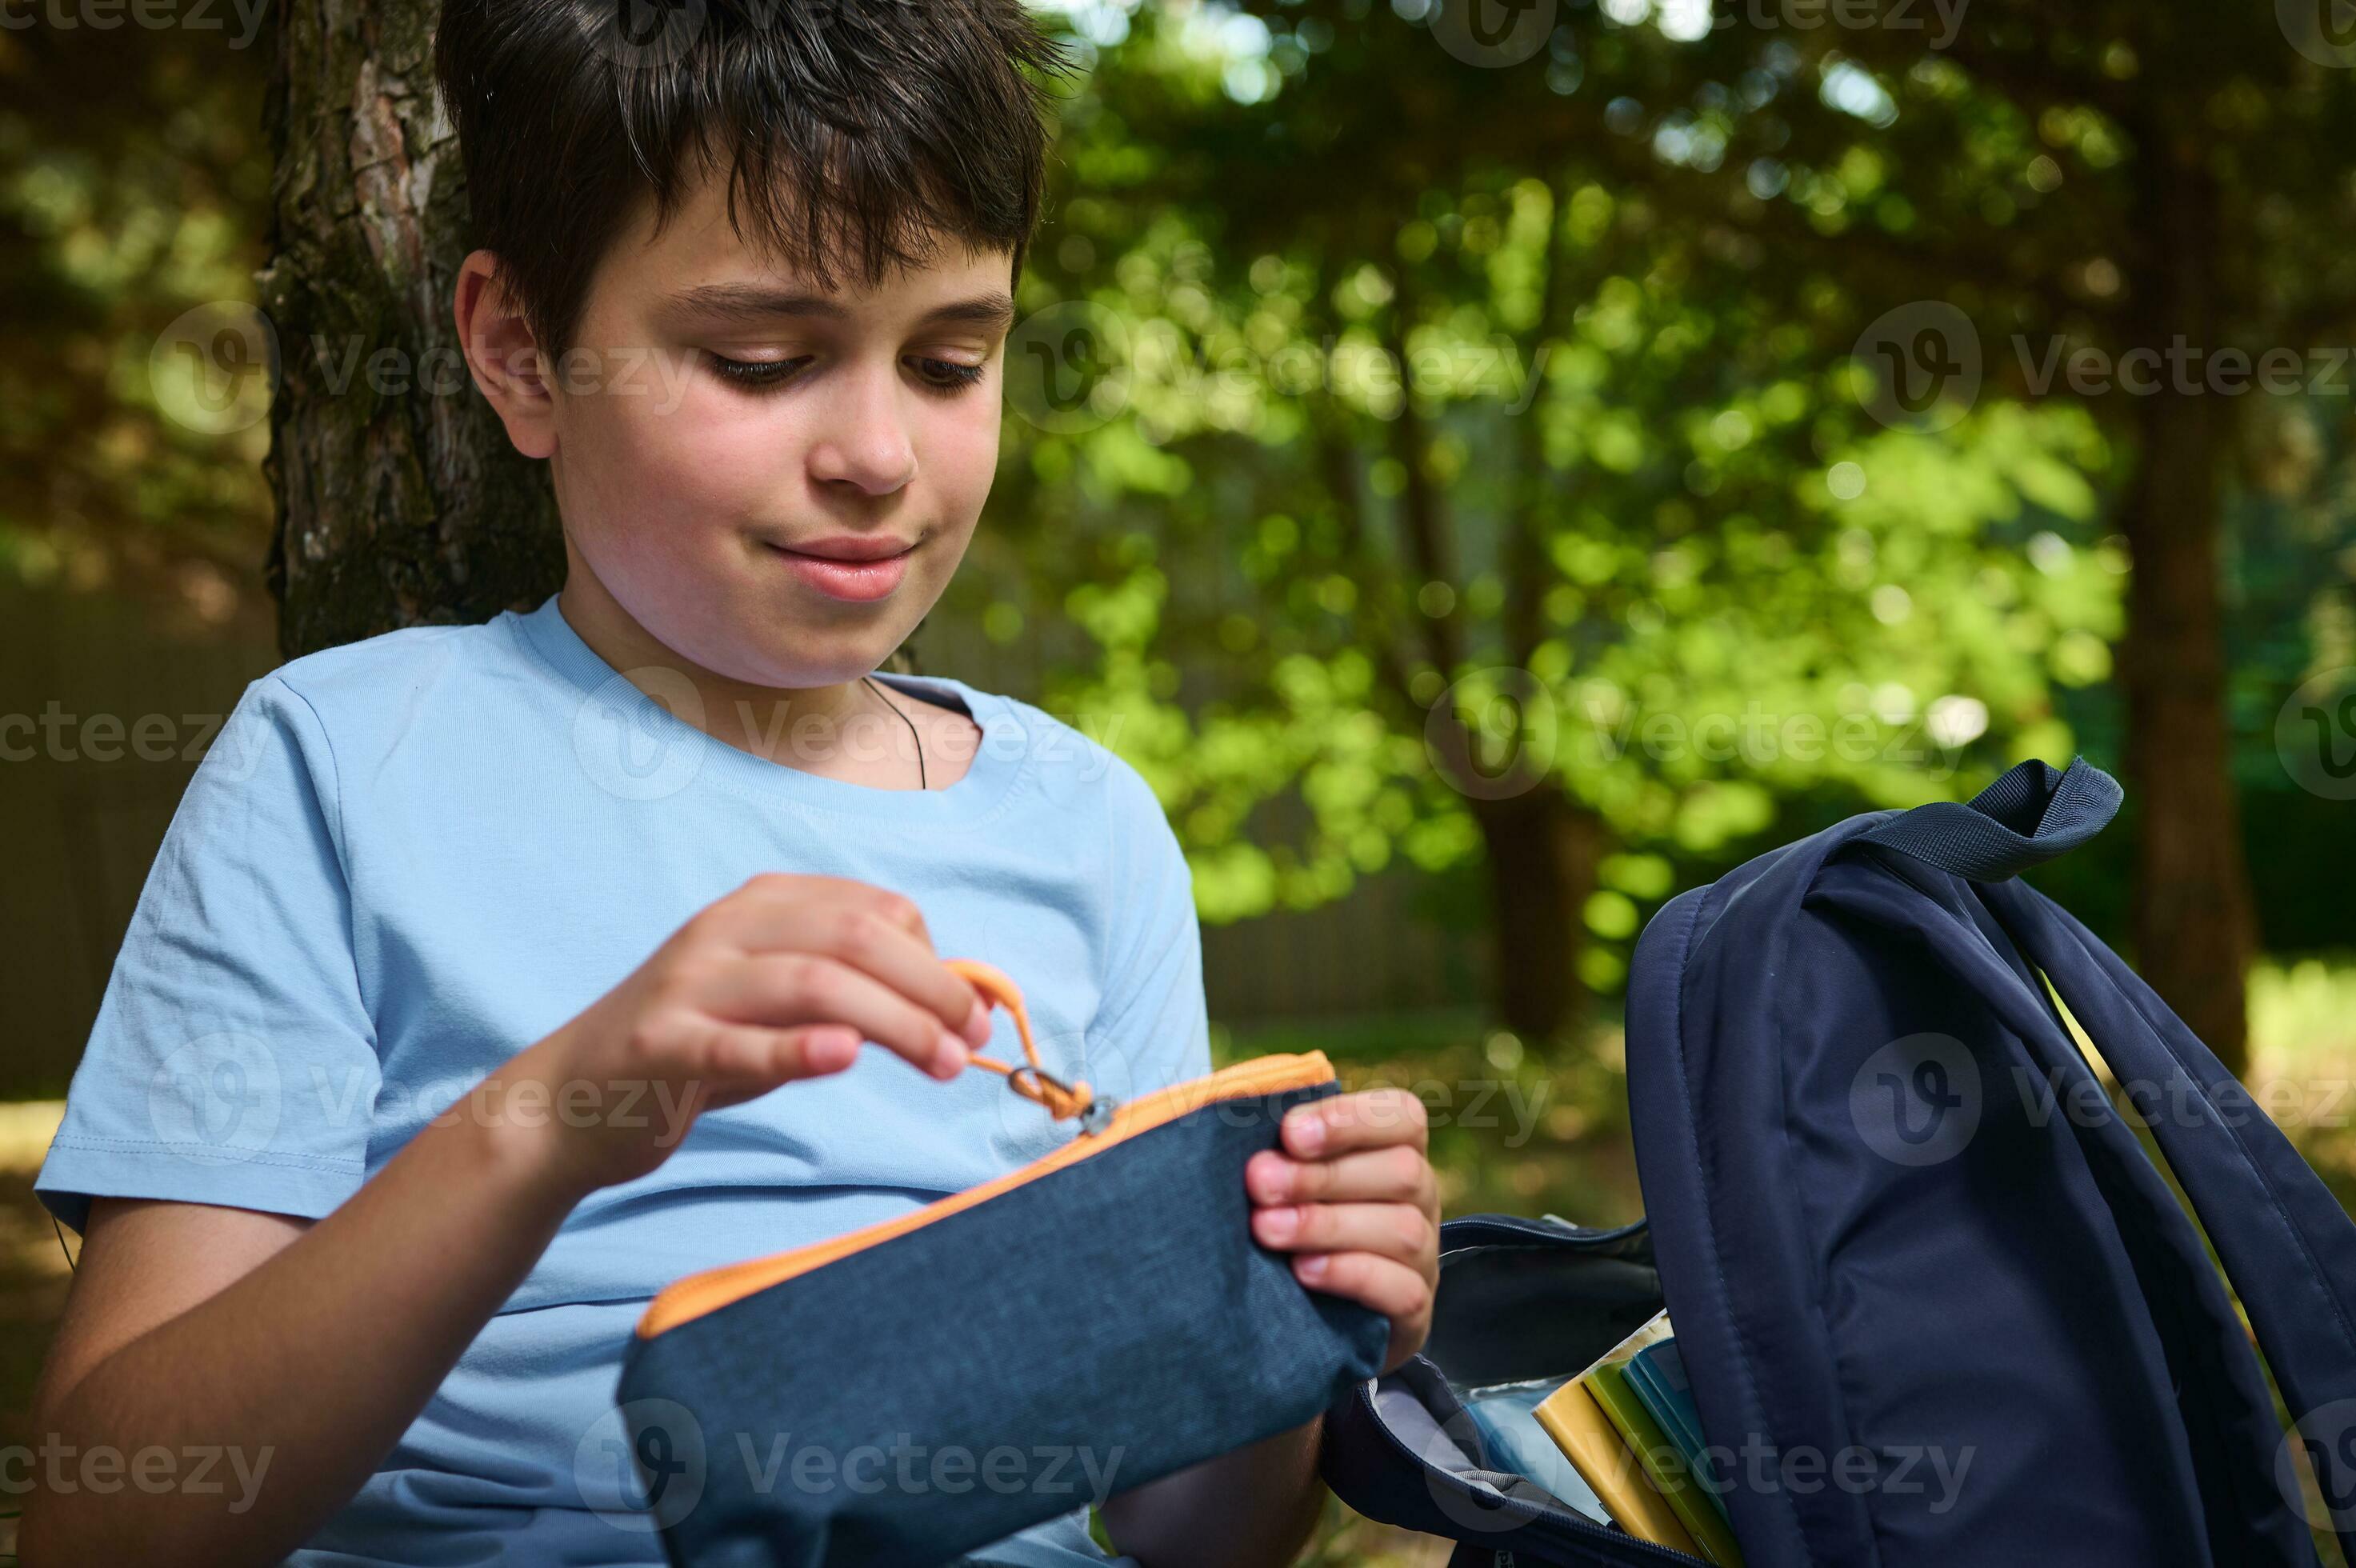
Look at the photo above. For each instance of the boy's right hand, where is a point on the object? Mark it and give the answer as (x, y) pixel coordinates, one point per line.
(781, 979)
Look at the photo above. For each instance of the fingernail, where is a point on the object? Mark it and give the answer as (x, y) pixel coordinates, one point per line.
(977, 1024)
(1311, 1267)
(1308, 1132)
(949, 1057)
(1266, 1172)
(1278, 1224)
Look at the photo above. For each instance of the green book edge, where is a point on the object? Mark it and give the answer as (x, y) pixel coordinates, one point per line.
(1664, 1463)
(1673, 1412)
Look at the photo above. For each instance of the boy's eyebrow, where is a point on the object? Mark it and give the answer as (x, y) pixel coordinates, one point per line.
(742, 302)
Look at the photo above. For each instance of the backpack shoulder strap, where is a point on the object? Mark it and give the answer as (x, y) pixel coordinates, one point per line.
(2285, 1241)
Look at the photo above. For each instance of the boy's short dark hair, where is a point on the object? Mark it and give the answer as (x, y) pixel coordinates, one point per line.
(907, 120)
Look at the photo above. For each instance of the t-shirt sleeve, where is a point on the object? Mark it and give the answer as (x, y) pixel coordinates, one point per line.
(1153, 1025)
(233, 1060)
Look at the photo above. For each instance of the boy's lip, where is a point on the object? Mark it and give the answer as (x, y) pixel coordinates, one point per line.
(850, 547)
(855, 568)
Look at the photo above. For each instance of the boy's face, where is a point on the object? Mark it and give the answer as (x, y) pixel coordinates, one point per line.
(796, 476)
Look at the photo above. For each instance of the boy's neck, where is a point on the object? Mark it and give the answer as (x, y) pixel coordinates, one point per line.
(849, 731)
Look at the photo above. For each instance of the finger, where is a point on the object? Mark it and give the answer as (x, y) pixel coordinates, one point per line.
(787, 888)
(1398, 1174)
(744, 1060)
(1397, 1231)
(1385, 1285)
(750, 1057)
(1370, 1119)
(779, 990)
(873, 930)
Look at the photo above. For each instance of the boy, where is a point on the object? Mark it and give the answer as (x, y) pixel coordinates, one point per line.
(391, 1125)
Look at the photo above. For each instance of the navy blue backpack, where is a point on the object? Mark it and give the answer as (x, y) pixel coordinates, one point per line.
(1937, 1305)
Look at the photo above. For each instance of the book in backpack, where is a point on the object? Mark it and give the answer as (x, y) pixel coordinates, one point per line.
(1933, 1302)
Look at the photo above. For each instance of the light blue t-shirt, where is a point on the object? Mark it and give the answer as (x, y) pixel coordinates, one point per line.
(405, 860)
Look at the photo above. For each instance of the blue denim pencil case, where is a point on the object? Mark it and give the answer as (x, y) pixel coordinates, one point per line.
(1094, 1320)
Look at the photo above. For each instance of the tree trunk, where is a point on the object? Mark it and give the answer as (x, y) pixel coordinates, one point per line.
(2194, 923)
(1543, 851)
(400, 499)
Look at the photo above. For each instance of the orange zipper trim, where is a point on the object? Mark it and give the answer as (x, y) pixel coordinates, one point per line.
(690, 1298)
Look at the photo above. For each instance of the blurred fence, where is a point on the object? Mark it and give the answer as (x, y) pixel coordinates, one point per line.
(103, 716)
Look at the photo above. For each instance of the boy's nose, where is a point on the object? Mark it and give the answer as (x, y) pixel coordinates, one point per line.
(864, 440)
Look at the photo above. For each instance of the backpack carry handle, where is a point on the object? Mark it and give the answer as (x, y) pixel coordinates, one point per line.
(2031, 815)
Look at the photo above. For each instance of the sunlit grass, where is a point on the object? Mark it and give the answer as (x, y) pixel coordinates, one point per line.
(2302, 1068)
(26, 1128)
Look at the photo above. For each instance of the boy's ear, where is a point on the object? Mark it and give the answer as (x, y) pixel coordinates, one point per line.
(504, 356)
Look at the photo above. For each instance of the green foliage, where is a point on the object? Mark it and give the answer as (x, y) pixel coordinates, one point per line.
(133, 181)
(1664, 556)
(1527, 398)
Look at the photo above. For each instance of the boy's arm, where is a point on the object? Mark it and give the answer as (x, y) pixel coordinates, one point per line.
(296, 1350)
(1254, 1508)
(308, 1349)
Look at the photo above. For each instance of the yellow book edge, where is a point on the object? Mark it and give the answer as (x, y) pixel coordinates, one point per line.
(709, 1290)
(1577, 1422)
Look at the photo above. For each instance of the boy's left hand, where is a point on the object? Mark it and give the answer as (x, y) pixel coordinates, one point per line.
(1354, 1197)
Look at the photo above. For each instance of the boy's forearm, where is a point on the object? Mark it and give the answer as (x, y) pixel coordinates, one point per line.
(309, 1368)
(1254, 1508)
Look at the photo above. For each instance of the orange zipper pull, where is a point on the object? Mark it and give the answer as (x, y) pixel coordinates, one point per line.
(1032, 1079)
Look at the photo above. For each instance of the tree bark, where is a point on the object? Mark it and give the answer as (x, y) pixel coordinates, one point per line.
(2194, 924)
(400, 499)
(1543, 851)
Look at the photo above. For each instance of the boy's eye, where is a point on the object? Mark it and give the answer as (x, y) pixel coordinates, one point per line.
(760, 375)
(948, 375)
(765, 375)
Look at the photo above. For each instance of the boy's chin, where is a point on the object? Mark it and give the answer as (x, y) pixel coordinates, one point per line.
(800, 661)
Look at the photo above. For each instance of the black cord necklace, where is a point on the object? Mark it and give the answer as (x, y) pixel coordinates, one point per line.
(921, 781)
